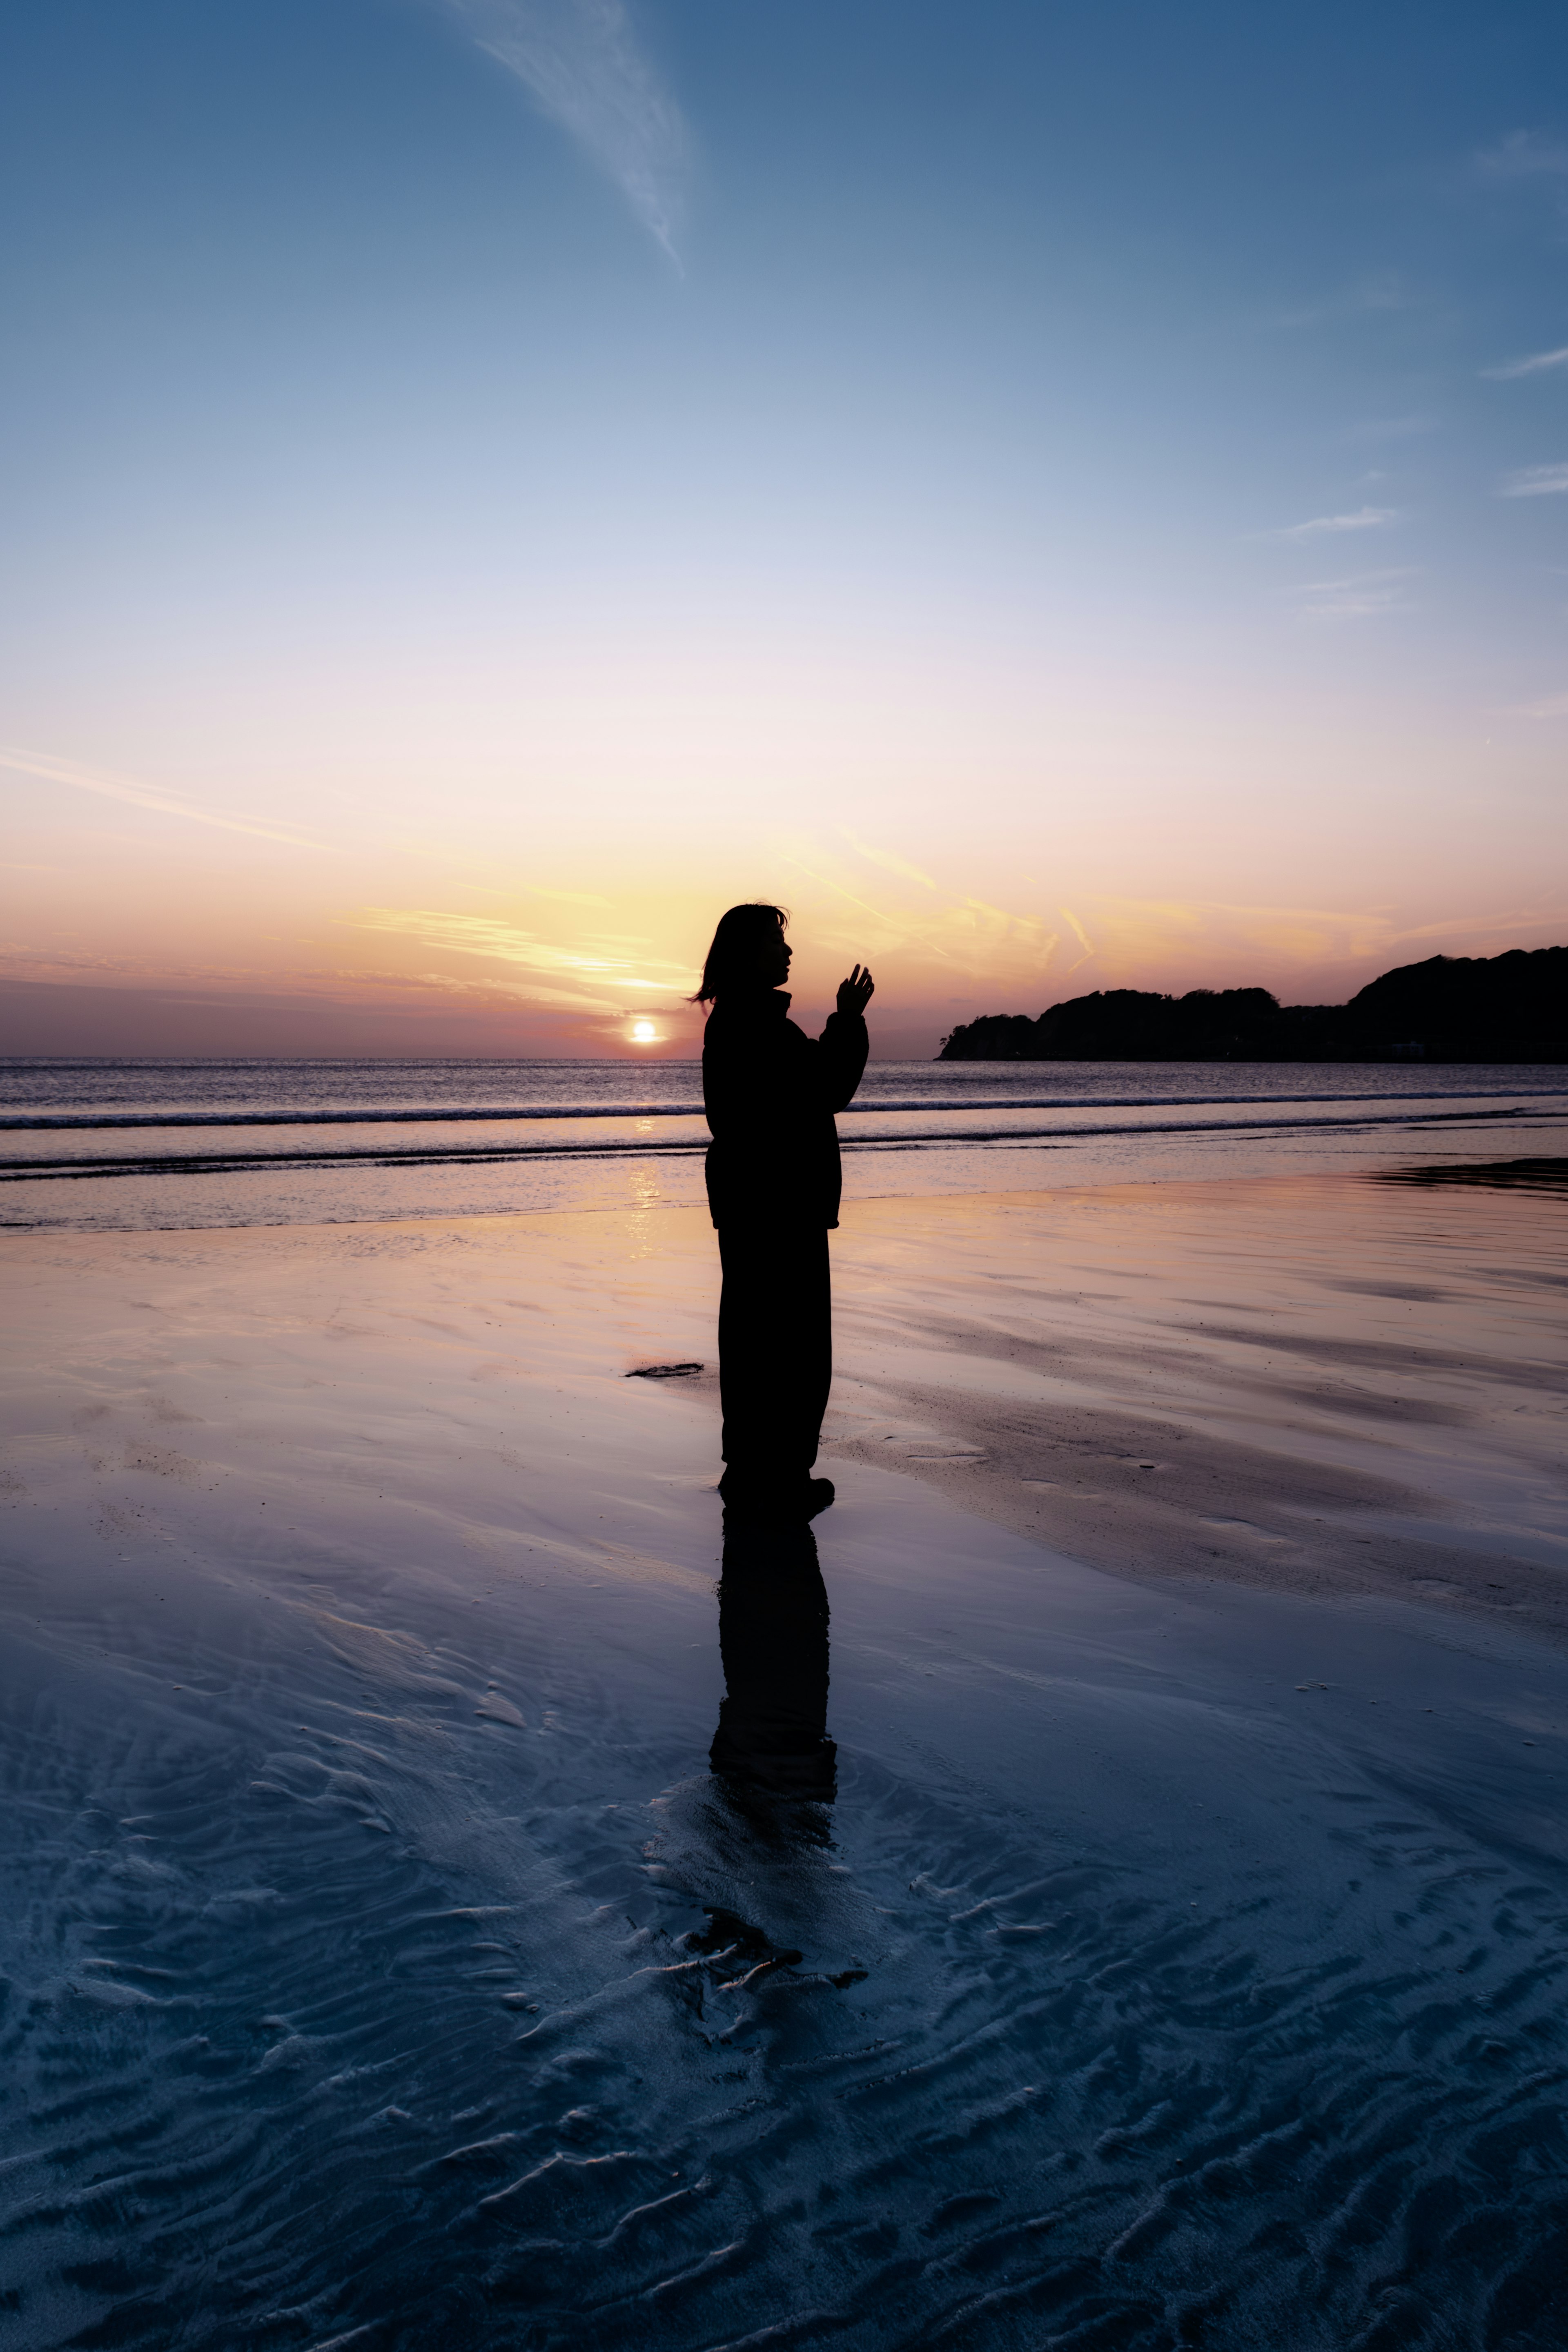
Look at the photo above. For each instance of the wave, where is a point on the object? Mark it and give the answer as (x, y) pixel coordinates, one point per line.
(1409, 1114)
(65, 1122)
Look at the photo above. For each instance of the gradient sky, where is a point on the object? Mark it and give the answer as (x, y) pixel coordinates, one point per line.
(1063, 496)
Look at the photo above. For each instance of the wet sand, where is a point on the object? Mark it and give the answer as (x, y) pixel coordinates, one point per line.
(1332, 1385)
(1180, 1963)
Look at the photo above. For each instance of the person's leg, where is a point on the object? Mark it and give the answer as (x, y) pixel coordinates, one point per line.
(811, 1287)
(775, 1358)
(746, 1314)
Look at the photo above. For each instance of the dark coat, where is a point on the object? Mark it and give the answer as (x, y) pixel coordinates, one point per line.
(770, 1092)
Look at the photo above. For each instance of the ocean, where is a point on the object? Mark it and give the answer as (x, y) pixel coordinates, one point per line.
(105, 1145)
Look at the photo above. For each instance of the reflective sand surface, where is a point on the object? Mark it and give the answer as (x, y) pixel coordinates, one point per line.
(1162, 1964)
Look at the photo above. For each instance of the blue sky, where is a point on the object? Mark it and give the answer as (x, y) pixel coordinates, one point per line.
(1064, 495)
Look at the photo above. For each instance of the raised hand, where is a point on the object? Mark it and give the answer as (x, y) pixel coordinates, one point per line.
(855, 994)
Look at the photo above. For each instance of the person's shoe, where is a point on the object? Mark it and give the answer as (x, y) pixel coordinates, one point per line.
(764, 1501)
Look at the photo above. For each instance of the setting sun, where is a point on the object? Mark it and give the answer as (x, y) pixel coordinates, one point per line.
(643, 1034)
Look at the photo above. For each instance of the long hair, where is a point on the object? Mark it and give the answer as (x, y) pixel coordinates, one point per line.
(730, 959)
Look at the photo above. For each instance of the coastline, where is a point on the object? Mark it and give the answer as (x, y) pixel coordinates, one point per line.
(1332, 1385)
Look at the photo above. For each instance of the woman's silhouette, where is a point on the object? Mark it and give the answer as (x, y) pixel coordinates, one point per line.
(770, 1092)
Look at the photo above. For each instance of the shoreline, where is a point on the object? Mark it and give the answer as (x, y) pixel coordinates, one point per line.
(231, 1153)
(1333, 1384)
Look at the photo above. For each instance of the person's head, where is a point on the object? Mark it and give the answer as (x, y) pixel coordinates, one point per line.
(749, 950)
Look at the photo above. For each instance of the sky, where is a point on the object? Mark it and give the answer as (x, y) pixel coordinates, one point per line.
(1059, 496)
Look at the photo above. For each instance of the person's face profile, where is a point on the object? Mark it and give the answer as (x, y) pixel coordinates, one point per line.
(774, 960)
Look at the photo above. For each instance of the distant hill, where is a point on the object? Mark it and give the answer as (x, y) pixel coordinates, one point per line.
(1505, 1008)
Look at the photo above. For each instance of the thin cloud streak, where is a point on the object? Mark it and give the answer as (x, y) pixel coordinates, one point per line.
(1364, 519)
(887, 859)
(1524, 155)
(487, 990)
(1356, 597)
(560, 1000)
(1537, 365)
(1536, 482)
(147, 796)
(1085, 943)
(967, 934)
(877, 914)
(1141, 938)
(1390, 428)
(482, 935)
(581, 61)
(1146, 941)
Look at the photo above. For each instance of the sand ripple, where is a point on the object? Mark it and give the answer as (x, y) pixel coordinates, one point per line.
(410, 2027)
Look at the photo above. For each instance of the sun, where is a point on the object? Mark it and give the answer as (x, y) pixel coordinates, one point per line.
(643, 1034)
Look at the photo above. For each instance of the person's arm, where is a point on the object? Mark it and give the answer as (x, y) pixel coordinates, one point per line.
(728, 1075)
(715, 1083)
(845, 1042)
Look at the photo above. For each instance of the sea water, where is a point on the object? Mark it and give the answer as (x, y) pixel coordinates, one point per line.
(106, 1144)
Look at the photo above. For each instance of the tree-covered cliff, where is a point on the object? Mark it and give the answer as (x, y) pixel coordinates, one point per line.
(1505, 1008)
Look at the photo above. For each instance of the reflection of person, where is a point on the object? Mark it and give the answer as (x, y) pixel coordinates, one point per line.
(773, 1638)
(770, 1092)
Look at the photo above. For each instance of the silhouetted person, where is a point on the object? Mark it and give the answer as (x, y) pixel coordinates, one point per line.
(773, 1180)
(773, 1638)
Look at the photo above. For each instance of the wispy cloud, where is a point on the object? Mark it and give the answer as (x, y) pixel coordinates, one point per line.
(583, 64)
(1147, 942)
(1481, 934)
(479, 935)
(484, 988)
(887, 859)
(1143, 933)
(147, 796)
(17, 956)
(1390, 428)
(562, 1000)
(1085, 943)
(594, 964)
(1377, 290)
(1535, 482)
(1524, 155)
(1550, 706)
(895, 926)
(1357, 597)
(1535, 169)
(1537, 365)
(963, 933)
(1324, 526)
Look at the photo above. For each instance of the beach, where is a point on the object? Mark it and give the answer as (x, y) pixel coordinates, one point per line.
(1348, 1386)
(1171, 1952)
